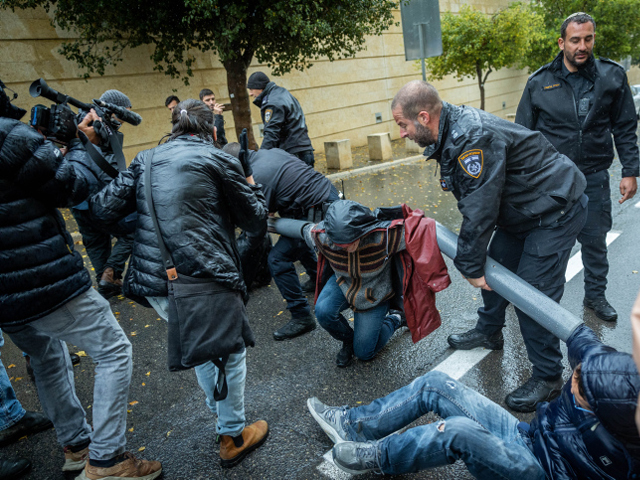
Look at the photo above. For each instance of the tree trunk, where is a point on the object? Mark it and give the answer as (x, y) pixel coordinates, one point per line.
(237, 84)
(481, 82)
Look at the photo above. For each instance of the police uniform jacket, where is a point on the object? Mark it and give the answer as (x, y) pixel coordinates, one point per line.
(503, 175)
(284, 123)
(581, 129)
(40, 270)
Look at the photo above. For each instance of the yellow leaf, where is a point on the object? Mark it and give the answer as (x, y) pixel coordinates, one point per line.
(280, 312)
(133, 334)
(169, 432)
(11, 366)
(147, 326)
(18, 379)
(88, 406)
(129, 411)
(131, 429)
(141, 449)
(81, 353)
(148, 373)
(135, 402)
(634, 271)
(117, 313)
(144, 384)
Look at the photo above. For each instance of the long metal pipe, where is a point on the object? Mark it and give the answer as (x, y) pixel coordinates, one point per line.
(531, 301)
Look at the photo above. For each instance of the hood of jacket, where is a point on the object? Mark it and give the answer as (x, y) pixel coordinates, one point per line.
(346, 221)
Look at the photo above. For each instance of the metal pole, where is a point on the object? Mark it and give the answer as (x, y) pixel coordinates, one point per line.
(422, 53)
(505, 283)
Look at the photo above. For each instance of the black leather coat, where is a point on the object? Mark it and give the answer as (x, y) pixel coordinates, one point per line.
(200, 196)
(39, 268)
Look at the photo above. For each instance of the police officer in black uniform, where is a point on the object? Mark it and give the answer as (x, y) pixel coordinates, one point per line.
(291, 188)
(283, 118)
(510, 183)
(578, 102)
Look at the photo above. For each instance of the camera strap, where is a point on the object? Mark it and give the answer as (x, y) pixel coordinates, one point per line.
(96, 156)
(116, 146)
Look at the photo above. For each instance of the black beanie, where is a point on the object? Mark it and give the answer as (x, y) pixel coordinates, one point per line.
(257, 81)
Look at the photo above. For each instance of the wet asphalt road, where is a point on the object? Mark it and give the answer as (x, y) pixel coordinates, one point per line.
(169, 421)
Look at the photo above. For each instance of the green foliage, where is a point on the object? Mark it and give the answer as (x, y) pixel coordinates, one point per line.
(285, 34)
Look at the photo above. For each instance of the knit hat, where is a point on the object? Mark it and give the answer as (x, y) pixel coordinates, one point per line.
(117, 98)
(258, 81)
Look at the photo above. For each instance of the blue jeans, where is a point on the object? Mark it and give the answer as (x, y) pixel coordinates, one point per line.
(11, 412)
(371, 331)
(230, 411)
(474, 429)
(85, 321)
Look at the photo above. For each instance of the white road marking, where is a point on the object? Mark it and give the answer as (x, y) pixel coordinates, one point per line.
(638, 205)
(460, 362)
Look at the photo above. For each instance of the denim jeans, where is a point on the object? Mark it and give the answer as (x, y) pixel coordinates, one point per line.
(230, 411)
(371, 331)
(85, 321)
(11, 411)
(473, 429)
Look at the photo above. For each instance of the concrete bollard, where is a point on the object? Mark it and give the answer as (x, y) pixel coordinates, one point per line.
(412, 147)
(338, 154)
(380, 146)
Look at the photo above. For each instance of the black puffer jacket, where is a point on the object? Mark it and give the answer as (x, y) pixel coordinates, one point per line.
(572, 444)
(200, 196)
(283, 118)
(548, 105)
(39, 269)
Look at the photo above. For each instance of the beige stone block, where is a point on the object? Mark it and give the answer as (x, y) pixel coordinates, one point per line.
(412, 147)
(338, 154)
(380, 146)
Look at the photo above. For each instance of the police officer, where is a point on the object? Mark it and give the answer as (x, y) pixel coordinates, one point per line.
(291, 188)
(510, 183)
(283, 118)
(577, 102)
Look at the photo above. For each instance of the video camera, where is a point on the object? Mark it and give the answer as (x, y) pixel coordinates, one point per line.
(59, 122)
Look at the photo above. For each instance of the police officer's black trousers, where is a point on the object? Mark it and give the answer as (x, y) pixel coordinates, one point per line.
(539, 257)
(593, 236)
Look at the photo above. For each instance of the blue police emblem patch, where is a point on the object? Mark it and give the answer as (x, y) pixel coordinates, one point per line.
(267, 115)
(472, 162)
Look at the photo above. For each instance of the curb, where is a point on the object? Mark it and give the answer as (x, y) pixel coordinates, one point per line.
(375, 168)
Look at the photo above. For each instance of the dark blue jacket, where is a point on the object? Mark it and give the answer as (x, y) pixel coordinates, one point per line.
(39, 269)
(572, 444)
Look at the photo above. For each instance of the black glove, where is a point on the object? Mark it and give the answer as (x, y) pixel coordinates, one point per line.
(243, 156)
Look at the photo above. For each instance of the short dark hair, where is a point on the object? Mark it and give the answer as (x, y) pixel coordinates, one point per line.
(204, 92)
(232, 149)
(578, 17)
(192, 117)
(415, 97)
(170, 99)
(578, 373)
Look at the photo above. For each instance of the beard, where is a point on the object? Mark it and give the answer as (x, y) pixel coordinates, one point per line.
(423, 136)
(571, 58)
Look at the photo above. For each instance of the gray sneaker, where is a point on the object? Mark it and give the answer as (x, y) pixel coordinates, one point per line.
(357, 458)
(329, 418)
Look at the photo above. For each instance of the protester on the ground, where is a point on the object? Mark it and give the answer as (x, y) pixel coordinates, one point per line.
(293, 190)
(200, 196)
(365, 262)
(108, 259)
(171, 102)
(588, 432)
(209, 98)
(578, 103)
(47, 299)
(284, 123)
(518, 196)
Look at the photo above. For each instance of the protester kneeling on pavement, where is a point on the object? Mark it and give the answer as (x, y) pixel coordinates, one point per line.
(588, 432)
(366, 262)
(200, 195)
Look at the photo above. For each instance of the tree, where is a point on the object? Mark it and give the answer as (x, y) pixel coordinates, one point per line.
(475, 44)
(284, 34)
(617, 28)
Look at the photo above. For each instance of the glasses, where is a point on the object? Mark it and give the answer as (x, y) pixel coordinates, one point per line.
(575, 404)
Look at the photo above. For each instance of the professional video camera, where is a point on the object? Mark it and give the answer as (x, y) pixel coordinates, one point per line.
(59, 123)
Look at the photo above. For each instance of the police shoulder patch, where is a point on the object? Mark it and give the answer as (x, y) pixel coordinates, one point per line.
(472, 162)
(267, 115)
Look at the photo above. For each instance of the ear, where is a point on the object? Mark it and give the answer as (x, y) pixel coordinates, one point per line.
(424, 118)
(561, 43)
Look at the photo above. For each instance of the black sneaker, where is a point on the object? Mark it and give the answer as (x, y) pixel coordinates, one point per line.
(32, 422)
(535, 390)
(473, 339)
(345, 355)
(295, 328)
(356, 458)
(309, 286)
(602, 308)
(13, 469)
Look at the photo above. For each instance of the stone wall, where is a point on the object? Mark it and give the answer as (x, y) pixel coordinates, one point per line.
(340, 98)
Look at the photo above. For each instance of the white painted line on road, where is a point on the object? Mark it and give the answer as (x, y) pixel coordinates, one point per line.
(575, 263)
(638, 205)
(329, 469)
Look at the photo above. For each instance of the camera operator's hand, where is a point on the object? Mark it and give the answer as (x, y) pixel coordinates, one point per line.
(88, 130)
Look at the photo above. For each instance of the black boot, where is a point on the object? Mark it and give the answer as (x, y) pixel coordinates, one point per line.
(345, 355)
(534, 391)
(309, 286)
(602, 308)
(109, 286)
(295, 328)
(13, 469)
(473, 339)
(32, 422)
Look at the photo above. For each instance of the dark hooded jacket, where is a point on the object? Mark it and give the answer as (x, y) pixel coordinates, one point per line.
(503, 175)
(548, 105)
(573, 444)
(40, 270)
(200, 196)
(283, 118)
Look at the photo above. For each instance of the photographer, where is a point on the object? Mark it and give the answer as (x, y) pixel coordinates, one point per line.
(47, 300)
(108, 262)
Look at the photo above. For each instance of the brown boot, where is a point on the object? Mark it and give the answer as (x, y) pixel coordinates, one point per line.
(128, 469)
(109, 286)
(234, 449)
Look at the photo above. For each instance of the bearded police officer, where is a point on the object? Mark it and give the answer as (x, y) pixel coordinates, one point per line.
(510, 183)
(283, 118)
(577, 103)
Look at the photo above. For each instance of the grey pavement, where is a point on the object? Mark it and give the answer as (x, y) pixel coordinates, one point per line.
(169, 421)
